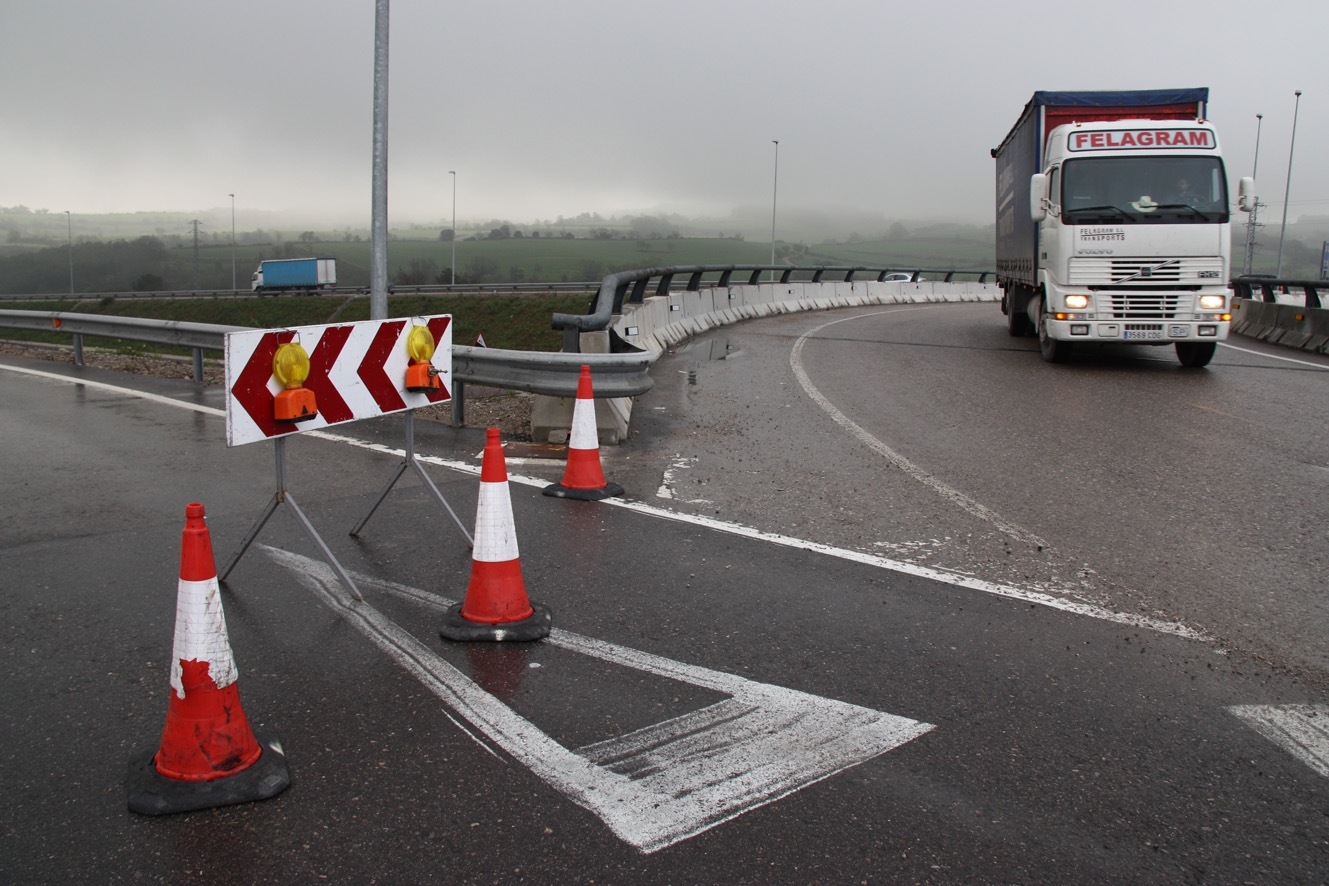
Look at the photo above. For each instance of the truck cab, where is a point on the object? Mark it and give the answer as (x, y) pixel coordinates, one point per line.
(1134, 237)
(1127, 239)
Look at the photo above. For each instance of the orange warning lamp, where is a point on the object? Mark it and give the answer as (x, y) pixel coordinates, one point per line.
(290, 365)
(421, 376)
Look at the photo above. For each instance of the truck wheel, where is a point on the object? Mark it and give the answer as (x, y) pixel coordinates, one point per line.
(1053, 351)
(1195, 353)
(1017, 320)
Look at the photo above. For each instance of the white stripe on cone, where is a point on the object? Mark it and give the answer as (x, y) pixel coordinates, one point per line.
(584, 435)
(495, 529)
(200, 634)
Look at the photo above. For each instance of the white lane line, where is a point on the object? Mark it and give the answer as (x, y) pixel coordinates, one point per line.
(669, 781)
(103, 386)
(949, 493)
(1276, 357)
(939, 575)
(1300, 729)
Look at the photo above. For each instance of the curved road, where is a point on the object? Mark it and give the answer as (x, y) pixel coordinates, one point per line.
(927, 434)
(890, 600)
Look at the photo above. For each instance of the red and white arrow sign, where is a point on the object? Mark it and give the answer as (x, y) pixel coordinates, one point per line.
(356, 371)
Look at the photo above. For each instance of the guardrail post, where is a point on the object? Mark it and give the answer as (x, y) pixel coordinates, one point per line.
(198, 364)
(458, 403)
(78, 349)
(1312, 296)
(571, 340)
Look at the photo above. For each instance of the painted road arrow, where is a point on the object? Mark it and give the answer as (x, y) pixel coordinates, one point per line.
(656, 786)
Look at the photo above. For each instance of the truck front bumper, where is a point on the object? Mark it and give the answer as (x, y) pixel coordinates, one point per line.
(1137, 331)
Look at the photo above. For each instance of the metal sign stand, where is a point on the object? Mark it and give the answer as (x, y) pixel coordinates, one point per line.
(283, 496)
(409, 460)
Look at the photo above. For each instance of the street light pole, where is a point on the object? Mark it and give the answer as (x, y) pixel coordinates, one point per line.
(234, 287)
(775, 190)
(378, 236)
(453, 173)
(69, 223)
(1251, 225)
(1288, 189)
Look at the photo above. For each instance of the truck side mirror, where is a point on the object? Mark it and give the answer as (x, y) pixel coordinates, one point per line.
(1246, 195)
(1038, 197)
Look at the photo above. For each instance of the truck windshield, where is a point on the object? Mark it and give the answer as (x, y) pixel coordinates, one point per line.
(1144, 190)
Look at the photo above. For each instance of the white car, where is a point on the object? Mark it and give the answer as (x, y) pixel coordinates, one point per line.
(901, 278)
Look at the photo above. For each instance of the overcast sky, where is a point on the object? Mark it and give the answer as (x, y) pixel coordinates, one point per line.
(614, 106)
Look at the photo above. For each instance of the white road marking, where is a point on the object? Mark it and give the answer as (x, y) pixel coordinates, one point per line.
(949, 493)
(1300, 729)
(1276, 357)
(662, 784)
(118, 389)
(939, 575)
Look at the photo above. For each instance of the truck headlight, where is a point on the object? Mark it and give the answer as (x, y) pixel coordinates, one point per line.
(1212, 302)
(1079, 302)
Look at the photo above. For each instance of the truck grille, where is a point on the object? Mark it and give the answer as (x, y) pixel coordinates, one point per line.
(1145, 273)
(1142, 305)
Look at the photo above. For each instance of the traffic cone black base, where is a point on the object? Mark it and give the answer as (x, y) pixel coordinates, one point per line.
(534, 627)
(151, 793)
(609, 490)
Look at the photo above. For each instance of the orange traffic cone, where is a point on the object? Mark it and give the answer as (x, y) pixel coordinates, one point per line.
(496, 606)
(584, 479)
(208, 755)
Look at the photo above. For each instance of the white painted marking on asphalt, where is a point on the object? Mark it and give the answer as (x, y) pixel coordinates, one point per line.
(679, 463)
(943, 576)
(667, 782)
(939, 575)
(949, 493)
(1275, 357)
(1300, 729)
(103, 386)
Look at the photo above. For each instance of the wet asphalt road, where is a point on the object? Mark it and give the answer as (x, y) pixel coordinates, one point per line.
(1065, 748)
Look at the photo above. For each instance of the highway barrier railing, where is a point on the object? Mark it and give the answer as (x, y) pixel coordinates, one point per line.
(614, 290)
(1267, 289)
(539, 372)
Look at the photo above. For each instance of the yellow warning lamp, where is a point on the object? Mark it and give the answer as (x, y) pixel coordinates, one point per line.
(421, 376)
(290, 365)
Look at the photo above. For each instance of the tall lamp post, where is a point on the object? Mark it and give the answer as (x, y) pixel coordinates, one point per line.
(234, 287)
(69, 224)
(1288, 190)
(775, 190)
(1251, 225)
(453, 173)
(378, 231)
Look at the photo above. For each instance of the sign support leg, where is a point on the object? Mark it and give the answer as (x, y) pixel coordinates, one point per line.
(410, 461)
(280, 496)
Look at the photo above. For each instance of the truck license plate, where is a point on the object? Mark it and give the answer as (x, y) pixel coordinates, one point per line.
(1143, 333)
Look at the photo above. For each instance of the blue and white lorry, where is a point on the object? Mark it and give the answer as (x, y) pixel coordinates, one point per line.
(1113, 223)
(295, 274)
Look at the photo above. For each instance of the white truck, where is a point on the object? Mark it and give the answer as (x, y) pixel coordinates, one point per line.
(1113, 223)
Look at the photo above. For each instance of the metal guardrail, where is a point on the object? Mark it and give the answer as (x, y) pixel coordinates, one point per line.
(539, 372)
(352, 291)
(613, 292)
(1247, 286)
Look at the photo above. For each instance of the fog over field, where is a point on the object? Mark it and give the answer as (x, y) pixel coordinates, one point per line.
(883, 111)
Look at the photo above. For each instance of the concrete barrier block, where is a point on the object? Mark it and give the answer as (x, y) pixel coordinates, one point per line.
(551, 419)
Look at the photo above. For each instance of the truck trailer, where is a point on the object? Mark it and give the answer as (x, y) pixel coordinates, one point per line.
(1113, 223)
(295, 274)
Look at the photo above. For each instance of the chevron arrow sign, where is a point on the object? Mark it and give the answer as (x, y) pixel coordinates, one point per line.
(356, 371)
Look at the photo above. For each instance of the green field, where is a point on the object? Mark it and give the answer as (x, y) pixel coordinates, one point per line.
(517, 322)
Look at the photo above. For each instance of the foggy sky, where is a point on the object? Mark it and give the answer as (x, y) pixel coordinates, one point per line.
(548, 109)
